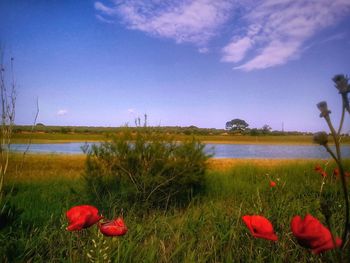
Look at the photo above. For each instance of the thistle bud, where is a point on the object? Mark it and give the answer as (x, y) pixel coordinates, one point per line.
(322, 106)
(321, 138)
(341, 83)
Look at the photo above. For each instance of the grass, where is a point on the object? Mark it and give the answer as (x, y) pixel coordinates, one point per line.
(210, 229)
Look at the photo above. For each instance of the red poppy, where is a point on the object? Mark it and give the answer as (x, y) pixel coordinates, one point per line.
(336, 172)
(323, 174)
(347, 174)
(272, 184)
(318, 168)
(112, 228)
(82, 216)
(311, 234)
(260, 227)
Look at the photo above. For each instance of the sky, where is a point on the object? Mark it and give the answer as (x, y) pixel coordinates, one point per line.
(181, 62)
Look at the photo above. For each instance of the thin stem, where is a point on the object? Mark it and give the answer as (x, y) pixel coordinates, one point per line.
(345, 192)
(334, 135)
(331, 153)
(341, 120)
(32, 129)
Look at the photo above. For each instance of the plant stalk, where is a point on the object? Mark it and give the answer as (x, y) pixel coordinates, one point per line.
(338, 160)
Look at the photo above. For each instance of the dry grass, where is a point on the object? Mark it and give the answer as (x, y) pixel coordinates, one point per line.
(44, 166)
(225, 164)
(40, 167)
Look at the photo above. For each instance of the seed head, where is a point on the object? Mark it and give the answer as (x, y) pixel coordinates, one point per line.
(322, 106)
(341, 82)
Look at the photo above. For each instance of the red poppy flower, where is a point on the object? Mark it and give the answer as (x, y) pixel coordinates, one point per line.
(260, 227)
(347, 174)
(318, 168)
(82, 216)
(272, 184)
(336, 172)
(311, 234)
(115, 227)
(323, 174)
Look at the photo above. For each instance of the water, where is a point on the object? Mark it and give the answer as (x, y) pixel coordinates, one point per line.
(218, 150)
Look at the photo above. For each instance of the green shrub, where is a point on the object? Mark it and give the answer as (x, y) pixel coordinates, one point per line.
(145, 167)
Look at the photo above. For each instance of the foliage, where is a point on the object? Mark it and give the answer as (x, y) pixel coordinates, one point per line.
(146, 167)
(237, 125)
(266, 129)
(208, 230)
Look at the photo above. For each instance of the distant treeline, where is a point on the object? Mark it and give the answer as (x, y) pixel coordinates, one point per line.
(176, 130)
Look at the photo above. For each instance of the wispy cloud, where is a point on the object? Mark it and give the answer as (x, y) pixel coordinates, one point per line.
(184, 21)
(104, 20)
(264, 33)
(131, 111)
(62, 112)
(276, 30)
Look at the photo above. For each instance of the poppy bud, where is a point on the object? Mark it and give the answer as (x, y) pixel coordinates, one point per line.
(322, 106)
(321, 138)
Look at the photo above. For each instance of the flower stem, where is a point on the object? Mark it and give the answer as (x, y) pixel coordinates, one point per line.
(338, 160)
(341, 120)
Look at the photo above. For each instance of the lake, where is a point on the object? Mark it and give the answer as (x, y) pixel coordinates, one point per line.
(218, 150)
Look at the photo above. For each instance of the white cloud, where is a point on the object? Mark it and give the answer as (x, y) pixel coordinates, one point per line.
(131, 111)
(264, 33)
(104, 20)
(276, 53)
(236, 50)
(184, 21)
(62, 112)
(281, 29)
(104, 9)
(203, 50)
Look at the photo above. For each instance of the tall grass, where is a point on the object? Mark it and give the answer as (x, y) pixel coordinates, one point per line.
(209, 229)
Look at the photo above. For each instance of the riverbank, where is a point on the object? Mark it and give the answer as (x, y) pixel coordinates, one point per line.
(43, 166)
(215, 139)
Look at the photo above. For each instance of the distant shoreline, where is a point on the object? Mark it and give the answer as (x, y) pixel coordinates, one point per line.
(42, 138)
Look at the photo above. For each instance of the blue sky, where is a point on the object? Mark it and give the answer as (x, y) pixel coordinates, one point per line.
(185, 62)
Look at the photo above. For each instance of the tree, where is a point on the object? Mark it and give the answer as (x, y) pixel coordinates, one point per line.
(236, 125)
(266, 129)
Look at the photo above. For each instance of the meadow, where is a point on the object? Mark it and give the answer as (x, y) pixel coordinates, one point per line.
(208, 229)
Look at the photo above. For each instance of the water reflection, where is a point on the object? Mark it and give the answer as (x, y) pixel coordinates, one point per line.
(218, 150)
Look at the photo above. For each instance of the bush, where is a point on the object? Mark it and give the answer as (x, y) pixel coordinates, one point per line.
(145, 167)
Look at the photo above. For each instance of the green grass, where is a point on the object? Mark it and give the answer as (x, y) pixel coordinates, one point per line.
(210, 229)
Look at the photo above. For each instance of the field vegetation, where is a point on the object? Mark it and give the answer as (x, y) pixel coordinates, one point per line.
(58, 134)
(208, 229)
